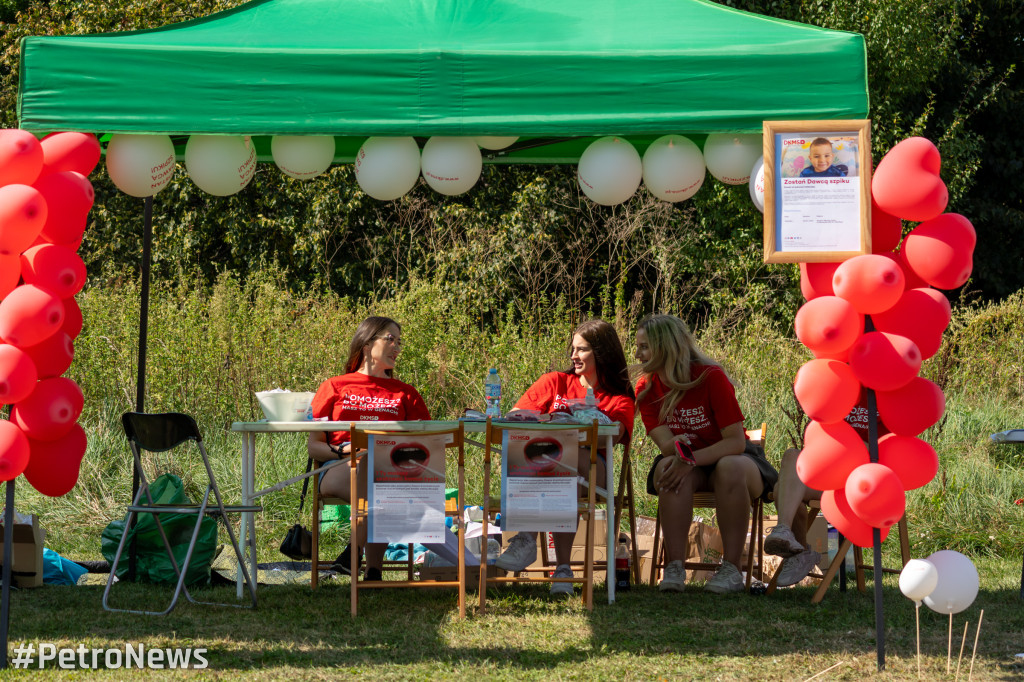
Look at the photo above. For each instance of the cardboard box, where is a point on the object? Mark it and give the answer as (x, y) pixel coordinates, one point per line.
(579, 545)
(27, 563)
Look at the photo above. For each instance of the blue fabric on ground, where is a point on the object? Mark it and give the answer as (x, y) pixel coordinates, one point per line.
(58, 570)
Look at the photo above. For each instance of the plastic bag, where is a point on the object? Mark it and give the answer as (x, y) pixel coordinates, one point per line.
(152, 563)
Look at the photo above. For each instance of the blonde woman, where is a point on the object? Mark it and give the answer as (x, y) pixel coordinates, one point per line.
(688, 406)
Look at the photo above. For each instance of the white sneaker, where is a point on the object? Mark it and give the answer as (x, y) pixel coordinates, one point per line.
(727, 579)
(675, 577)
(521, 552)
(781, 542)
(795, 568)
(563, 571)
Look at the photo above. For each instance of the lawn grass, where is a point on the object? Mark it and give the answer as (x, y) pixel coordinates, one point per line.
(524, 635)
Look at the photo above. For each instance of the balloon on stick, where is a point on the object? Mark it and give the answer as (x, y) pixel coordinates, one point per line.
(140, 165)
(958, 583)
(220, 165)
(18, 374)
(55, 268)
(826, 389)
(23, 211)
(14, 451)
(387, 168)
(451, 165)
(906, 183)
(731, 156)
(828, 324)
(673, 168)
(871, 283)
(912, 459)
(917, 580)
(54, 465)
(302, 156)
(883, 361)
(29, 315)
(77, 152)
(21, 157)
(609, 171)
(831, 452)
(50, 410)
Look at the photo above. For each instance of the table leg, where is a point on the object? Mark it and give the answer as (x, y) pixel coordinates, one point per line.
(609, 573)
(247, 534)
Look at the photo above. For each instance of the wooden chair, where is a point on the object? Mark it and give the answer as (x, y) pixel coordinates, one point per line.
(813, 509)
(624, 502)
(585, 506)
(362, 514)
(755, 552)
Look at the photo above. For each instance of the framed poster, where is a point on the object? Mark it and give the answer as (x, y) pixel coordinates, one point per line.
(817, 190)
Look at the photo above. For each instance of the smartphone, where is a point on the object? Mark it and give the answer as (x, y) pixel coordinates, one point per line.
(685, 452)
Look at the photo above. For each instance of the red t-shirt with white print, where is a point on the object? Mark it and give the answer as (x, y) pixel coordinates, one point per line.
(360, 397)
(701, 413)
(858, 418)
(552, 392)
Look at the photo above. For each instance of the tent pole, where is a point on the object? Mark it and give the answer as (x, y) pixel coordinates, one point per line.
(5, 609)
(140, 382)
(876, 533)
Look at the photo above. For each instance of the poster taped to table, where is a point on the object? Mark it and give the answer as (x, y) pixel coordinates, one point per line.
(538, 479)
(406, 490)
(817, 190)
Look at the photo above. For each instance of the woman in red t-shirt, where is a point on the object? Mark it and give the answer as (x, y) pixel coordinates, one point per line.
(598, 363)
(689, 408)
(366, 393)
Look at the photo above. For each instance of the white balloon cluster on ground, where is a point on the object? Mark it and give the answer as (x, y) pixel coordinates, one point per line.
(388, 167)
(220, 165)
(947, 581)
(140, 165)
(609, 171)
(730, 156)
(673, 168)
(302, 156)
(451, 165)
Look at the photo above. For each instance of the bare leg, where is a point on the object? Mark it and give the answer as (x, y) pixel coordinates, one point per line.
(563, 541)
(335, 483)
(735, 481)
(676, 511)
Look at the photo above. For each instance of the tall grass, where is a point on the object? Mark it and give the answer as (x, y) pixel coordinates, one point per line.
(211, 350)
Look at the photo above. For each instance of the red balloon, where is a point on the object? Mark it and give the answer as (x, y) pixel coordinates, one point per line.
(816, 279)
(831, 452)
(837, 511)
(72, 318)
(53, 356)
(23, 212)
(78, 152)
(51, 410)
(70, 197)
(826, 389)
(876, 495)
(14, 451)
(886, 230)
(921, 315)
(54, 465)
(885, 362)
(828, 324)
(913, 460)
(911, 409)
(28, 315)
(872, 283)
(941, 251)
(18, 374)
(55, 268)
(841, 356)
(906, 183)
(10, 274)
(21, 157)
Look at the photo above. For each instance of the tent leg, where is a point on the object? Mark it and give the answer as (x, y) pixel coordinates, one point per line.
(140, 382)
(5, 609)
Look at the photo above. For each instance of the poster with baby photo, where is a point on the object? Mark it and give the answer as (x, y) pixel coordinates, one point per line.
(538, 479)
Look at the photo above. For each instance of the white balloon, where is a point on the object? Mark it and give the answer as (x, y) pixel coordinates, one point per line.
(918, 579)
(140, 165)
(730, 156)
(492, 142)
(673, 168)
(388, 167)
(451, 165)
(957, 584)
(757, 184)
(302, 156)
(220, 165)
(610, 171)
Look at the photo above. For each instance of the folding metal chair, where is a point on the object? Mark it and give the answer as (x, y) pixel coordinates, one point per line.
(361, 513)
(160, 433)
(585, 506)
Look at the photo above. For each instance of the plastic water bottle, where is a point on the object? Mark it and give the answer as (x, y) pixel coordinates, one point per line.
(621, 567)
(492, 393)
(591, 400)
(833, 549)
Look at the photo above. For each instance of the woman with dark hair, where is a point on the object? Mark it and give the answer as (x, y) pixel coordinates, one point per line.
(689, 408)
(366, 392)
(598, 364)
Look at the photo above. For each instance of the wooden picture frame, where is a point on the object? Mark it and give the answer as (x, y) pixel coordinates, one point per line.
(817, 198)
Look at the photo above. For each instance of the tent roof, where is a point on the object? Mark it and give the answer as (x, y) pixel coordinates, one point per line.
(533, 68)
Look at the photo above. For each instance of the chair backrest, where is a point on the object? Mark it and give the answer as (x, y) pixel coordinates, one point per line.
(159, 432)
(360, 437)
(758, 436)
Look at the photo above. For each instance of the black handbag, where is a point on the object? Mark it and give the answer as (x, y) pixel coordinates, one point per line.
(298, 541)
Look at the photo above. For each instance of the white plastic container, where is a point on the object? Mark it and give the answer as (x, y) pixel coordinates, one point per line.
(285, 406)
